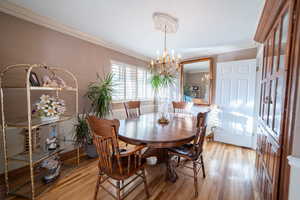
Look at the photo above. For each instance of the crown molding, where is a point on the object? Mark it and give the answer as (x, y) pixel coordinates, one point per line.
(216, 54)
(294, 161)
(28, 15)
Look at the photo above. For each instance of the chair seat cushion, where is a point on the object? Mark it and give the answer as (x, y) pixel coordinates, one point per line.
(122, 150)
(186, 150)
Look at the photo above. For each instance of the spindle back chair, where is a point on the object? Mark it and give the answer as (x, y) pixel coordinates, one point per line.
(193, 152)
(112, 163)
(133, 109)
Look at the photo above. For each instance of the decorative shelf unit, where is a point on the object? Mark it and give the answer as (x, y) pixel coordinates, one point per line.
(33, 157)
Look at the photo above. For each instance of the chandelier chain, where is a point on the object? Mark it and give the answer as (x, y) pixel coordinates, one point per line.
(167, 63)
(165, 47)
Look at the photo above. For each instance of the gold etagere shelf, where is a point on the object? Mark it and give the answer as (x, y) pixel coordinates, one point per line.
(33, 157)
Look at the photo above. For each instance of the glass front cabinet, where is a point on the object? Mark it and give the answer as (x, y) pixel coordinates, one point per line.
(273, 61)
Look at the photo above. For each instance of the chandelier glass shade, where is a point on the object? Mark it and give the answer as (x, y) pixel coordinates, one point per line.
(166, 63)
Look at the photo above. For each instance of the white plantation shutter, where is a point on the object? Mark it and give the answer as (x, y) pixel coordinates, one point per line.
(171, 93)
(131, 79)
(175, 90)
(141, 83)
(118, 82)
(149, 90)
(131, 82)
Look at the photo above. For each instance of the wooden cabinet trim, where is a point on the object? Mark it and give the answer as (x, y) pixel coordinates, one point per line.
(271, 163)
(270, 12)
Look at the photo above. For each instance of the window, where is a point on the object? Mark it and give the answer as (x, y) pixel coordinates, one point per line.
(130, 82)
(171, 93)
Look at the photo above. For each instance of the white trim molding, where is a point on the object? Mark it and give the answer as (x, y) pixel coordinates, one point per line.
(29, 15)
(294, 161)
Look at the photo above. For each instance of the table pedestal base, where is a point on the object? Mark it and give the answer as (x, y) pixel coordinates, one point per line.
(163, 157)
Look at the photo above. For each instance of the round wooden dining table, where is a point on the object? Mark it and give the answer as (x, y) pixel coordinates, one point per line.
(145, 130)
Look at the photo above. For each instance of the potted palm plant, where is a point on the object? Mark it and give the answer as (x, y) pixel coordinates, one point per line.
(160, 81)
(100, 95)
(83, 136)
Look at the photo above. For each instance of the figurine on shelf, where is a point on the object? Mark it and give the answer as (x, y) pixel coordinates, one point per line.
(53, 166)
(52, 141)
(53, 175)
(47, 82)
(53, 81)
(61, 83)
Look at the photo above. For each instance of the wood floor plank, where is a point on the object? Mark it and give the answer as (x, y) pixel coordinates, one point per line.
(230, 176)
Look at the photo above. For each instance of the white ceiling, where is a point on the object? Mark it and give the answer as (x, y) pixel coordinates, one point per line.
(205, 26)
(196, 67)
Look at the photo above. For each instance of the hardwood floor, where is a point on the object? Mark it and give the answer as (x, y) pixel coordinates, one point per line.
(229, 176)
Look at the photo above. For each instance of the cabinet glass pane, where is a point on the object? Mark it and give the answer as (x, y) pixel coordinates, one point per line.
(283, 42)
(261, 108)
(271, 103)
(278, 105)
(265, 68)
(279, 100)
(265, 99)
(276, 49)
(270, 57)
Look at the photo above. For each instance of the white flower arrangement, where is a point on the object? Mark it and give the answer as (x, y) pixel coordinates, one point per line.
(50, 106)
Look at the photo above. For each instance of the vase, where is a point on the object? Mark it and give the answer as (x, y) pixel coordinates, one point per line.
(53, 118)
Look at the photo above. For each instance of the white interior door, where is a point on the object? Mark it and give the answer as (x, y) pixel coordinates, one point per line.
(235, 97)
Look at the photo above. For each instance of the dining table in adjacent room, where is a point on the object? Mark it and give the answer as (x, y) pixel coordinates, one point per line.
(146, 130)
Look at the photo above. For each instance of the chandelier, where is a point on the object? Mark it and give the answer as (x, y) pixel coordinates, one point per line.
(167, 63)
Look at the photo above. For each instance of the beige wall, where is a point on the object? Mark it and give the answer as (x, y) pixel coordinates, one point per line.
(25, 42)
(294, 192)
(296, 140)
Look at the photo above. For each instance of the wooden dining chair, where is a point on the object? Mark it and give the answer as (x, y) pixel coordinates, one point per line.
(193, 152)
(133, 109)
(114, 164)
(179, 106)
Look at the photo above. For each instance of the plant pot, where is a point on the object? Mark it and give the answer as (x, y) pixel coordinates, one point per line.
(90, 150)
(45, 119)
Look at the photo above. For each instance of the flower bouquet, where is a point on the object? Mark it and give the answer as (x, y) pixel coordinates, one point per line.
(50, 108)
